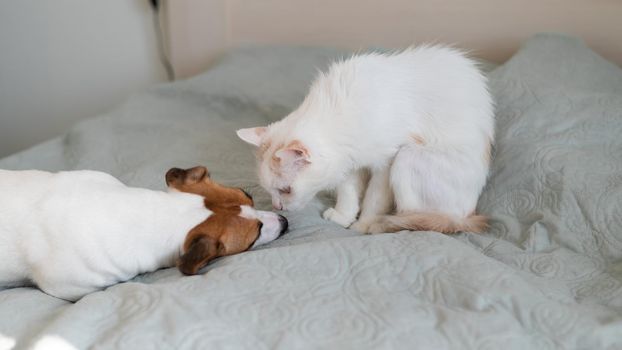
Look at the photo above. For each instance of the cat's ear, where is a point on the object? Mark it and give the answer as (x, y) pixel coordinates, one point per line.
(294, 154)
(252, 135)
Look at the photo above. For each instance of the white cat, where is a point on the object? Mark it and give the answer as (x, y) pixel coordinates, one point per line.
(420, 122)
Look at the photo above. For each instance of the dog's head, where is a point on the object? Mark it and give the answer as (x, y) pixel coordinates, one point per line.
(234, 225)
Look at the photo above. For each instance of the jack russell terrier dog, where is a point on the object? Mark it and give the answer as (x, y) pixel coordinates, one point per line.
(72, 233)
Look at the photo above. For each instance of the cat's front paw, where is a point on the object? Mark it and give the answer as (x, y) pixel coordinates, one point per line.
(337, 217)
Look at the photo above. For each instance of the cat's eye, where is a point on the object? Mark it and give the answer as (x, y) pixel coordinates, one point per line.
(285, 190)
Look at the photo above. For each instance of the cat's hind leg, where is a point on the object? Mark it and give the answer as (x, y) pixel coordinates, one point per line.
(378, 199)
(435, 190)
(349, 194)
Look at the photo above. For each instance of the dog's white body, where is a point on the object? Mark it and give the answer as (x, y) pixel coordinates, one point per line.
(71, 233)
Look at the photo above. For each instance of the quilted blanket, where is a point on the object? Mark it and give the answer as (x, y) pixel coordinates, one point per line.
(547, 275)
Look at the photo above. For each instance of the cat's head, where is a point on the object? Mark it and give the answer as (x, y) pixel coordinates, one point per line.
(286, 167)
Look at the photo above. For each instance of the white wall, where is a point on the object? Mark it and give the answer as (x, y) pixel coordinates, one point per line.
(200, 30)
(63, 60)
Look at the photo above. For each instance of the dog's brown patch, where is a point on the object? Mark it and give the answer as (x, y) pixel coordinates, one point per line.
(224, 232)
(196, 180)
(198, 252)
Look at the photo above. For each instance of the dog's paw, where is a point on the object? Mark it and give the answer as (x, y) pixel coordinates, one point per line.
(337, 217)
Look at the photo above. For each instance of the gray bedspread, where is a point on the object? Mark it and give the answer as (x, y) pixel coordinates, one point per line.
(547, 275)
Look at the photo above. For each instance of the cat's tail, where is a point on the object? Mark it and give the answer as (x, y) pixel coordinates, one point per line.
(431, 221)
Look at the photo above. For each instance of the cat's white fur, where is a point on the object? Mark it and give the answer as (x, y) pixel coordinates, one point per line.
(420, 122)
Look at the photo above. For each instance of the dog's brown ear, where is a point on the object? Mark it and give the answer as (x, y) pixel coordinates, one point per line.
(201, 250)
(196, 174)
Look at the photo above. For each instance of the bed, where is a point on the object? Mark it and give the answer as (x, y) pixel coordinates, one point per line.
(546, 275)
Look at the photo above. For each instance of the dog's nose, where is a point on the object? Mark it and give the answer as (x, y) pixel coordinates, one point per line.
(284, 224)
(172, 174)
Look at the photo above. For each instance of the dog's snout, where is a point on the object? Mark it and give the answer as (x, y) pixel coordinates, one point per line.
(284, 224)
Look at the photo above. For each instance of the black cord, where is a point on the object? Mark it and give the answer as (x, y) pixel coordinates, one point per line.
(155, 4)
